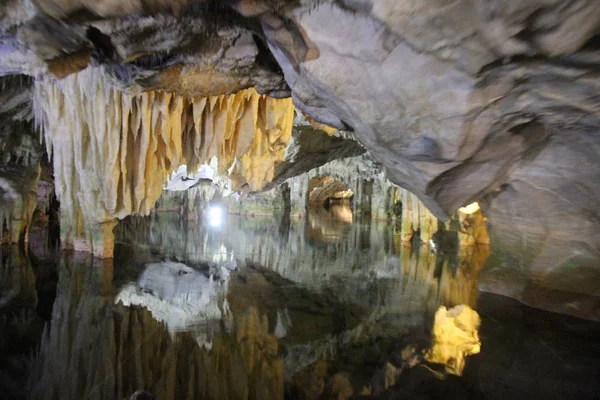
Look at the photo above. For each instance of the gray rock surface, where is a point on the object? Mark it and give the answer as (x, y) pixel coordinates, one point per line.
(461, 102)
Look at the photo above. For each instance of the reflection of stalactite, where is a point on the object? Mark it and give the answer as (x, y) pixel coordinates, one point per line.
(94, 349)
(113, 151)
(461, 286)
(17, 280)
(455, 336)
(328, 226)
(453, 287)
(17, 201)
(20, 324)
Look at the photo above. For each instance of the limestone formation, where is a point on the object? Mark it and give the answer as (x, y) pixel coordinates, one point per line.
(472, 226)
(20, 156)
(359, 178)
(460, 101)
(113, 151)
(416, 217)
(455, 336)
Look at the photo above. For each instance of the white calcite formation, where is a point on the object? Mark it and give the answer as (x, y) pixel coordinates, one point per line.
(177, 295)
(113, 151)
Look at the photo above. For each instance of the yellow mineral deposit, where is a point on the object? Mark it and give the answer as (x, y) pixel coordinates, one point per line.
(325, 128)
(461, 286)
(470, 209)
(455, 336)
(452, 286)
(113, 151)
(472, 229)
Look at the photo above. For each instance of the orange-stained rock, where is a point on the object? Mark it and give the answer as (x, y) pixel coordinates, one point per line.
(113, 151)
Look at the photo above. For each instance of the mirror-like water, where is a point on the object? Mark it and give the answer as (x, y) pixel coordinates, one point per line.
(234, 307)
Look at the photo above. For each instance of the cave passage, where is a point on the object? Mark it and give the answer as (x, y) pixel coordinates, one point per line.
(304, 200)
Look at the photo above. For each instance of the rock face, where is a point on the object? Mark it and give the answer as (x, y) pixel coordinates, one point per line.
(460, 101)
(204, 50)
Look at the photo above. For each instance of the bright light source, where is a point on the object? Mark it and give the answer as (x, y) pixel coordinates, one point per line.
(215, 216)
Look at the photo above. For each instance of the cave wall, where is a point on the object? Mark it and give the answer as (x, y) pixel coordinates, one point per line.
(460, 102)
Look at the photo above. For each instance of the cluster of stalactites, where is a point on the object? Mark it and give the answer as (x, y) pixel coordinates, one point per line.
(416, 217)
(113, 151)
(18, 187)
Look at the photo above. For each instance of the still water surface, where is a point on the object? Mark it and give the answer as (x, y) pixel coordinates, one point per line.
(271, 308)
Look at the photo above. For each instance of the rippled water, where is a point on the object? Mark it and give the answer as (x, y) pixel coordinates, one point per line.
(234, 307)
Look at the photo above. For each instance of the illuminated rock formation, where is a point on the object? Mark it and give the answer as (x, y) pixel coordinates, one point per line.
(373, 195)
(455, 336)
(472, 226)
(324, 188)
(113, 151)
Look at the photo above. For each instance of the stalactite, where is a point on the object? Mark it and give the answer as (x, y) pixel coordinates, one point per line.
(17, 201)
(113, 151)
(416, 217)
(455, 336)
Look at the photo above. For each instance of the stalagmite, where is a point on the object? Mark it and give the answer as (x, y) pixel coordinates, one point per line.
(113, 151)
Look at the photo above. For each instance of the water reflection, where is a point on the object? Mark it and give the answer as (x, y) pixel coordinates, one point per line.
(255, 310)
(328, 225)
(243, 317)
(178, 295)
